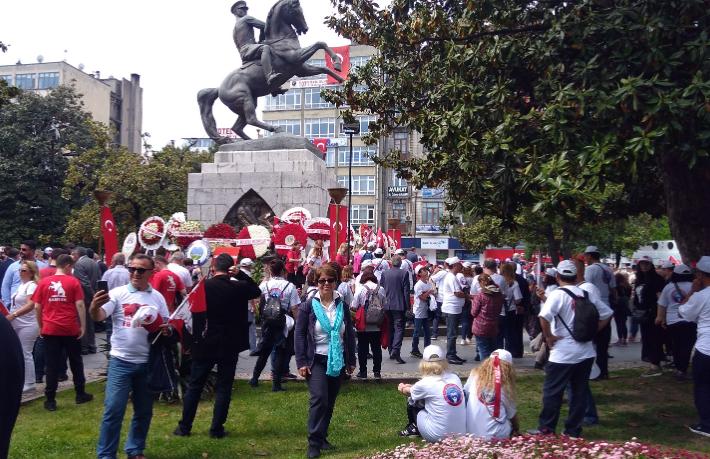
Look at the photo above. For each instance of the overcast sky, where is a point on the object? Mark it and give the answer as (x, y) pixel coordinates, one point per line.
(176, 47)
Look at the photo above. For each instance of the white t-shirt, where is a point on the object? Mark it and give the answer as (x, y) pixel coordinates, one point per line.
(549, 289)
(511, 294)
(444, 410)
(438, 279)
(697, 310)
(670, 299)
(451, 304)
(566, 350)
(345, 292)
(131, 344)
(421, 307)
(282, 288)
(19, 299)
(603, 279)
(479, 414)
(475, 286)
(407, 265)
(381, 265)
(183, 272)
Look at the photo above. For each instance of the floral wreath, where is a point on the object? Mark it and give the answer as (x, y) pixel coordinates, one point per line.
(286, 235)
(254, 241)
(151, 233)
(318, 229)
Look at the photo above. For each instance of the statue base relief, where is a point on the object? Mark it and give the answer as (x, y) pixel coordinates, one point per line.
(250, 181)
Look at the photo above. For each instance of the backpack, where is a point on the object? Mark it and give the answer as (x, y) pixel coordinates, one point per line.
(586, 317)
(272, 312)
(374, 310)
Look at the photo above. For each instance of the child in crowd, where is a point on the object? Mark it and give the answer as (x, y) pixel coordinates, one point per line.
(435, 406)
(490, 393)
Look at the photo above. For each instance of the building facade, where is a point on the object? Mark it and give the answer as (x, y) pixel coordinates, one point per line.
(117, 103)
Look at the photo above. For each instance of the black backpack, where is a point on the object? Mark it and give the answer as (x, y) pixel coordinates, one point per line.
(586, 318)
(272, 313)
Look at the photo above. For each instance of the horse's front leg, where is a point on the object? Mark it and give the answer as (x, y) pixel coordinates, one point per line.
(311, 70)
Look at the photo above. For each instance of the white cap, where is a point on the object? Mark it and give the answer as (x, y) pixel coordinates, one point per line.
(433, 353)
(682, 269)
(591, 249)
(365, 264)
(379, 251)
(419, 268)
(504, 355)
(399, 252)
(552, 272)
(667, 265)
(371, 244)
(452, 261)
(246, 262)
(466, 264)
(645, 258)
(704, 264)
(567, 268)
(48, 250)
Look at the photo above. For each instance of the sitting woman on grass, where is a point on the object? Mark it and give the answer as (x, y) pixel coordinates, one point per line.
(435, 405)
(490, 395)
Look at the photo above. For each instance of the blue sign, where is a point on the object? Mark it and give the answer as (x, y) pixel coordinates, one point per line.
(432, 193)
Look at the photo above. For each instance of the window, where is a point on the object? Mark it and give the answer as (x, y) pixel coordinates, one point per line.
(25, 81)
(362, 184)
(319, 127)
(7, 78)
(358, 61)
(292, 126)
(291, 100)
(362, 156)
(330, 157)
(401, 143)
(313, 99)
(431, 212)
(362, 214)
(365, 123)
(48, 80)
(397, 181)
(399, 210)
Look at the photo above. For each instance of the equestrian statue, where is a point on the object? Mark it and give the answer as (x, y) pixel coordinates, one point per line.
(266, 65)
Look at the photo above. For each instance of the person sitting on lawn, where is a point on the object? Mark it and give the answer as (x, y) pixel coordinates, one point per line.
(490, 394)
(436, 406)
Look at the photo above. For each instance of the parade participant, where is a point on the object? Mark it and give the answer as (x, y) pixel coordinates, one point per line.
(293, 265)
(621, 307)
(128, 366)
(117, 274)
(220, 334)
(436, 405)
(316, 256)
(11, 280)
(51, 269)
(437, 277)
(423, 299)
(59, 301)
(325, 346)
(453, 298)
(412, 255)
(22, 317)
(380, 264)
(486, 307)
(647, 289)
(342, 256)
(666, 270)
(370, 248)
(167, 283)
(466, 278)
(491, 411)
(408, 266)
(368, 293)
(681, 332)
(246, 265)
(395, 282)
(11, 256)
(697, 309)
(510, 332)
(88, 273)
(177, 265)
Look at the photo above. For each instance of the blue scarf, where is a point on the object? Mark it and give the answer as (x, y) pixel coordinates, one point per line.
(335, 346)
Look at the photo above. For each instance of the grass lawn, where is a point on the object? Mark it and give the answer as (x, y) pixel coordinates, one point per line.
(367, 417)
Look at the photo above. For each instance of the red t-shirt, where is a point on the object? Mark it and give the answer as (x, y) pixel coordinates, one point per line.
(58, 295)
(168, 284)
(292, 266)
(48, 271)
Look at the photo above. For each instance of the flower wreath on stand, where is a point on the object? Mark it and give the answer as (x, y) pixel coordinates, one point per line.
(220, 235)
(254, 241)
(151, 233)
(286, 235)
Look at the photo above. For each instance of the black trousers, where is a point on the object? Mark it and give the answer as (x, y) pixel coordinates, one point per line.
(683, 335)
(601, 343)
(396, 322)
(701, 387)
(557, 377)
(272, 340)
(55, 348)
(620, 317)
(652, 342)
(226, 366)
(369, 340)
(513, 333)
(12, 378)
(324, 390)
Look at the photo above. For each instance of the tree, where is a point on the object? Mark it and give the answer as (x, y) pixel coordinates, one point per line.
(545, 105)
(36, 134)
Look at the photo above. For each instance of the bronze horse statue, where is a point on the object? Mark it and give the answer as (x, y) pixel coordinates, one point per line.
(241, 88)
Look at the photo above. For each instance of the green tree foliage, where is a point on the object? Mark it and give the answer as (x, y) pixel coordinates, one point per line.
(36, 135)
(581, 112)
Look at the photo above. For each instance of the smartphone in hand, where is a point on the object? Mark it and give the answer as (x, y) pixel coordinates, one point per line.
(102, 285)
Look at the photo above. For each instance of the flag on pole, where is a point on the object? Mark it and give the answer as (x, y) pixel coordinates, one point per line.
(380, 239)
(195, 301)
(338, 227)
(108, 232)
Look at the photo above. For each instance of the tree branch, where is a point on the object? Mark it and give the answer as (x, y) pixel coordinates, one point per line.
(488, 33)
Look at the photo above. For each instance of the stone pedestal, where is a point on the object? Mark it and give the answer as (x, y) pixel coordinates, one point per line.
(284, 178)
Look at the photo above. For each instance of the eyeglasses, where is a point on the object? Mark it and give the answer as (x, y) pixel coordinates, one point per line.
(24, 270)
(140, 271)
(329, 280)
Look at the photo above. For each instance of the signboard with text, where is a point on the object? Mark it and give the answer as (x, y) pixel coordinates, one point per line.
(433, 193)
(398, 191)
(436, 243)
(428, 229)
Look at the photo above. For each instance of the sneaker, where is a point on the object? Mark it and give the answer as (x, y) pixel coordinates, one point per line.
(409, 431)
(313, 452)
(540, 431)
(218, 434)
(62, 378)
(468, 341)
(680, 376)
(377, 375)
(416, 354)
(50, 405)
(651, 372)
(462, 342)
(290, 376)
(326, 445)
(83, 398)
(254, 382)
(179, 432)
(361, 375)
(700, 430)
(434, 338)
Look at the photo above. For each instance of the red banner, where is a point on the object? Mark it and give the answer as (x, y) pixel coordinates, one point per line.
(344, 53)
(321, 143)
(396, 236)
(380, 239)
(338, 228)
(109, 234)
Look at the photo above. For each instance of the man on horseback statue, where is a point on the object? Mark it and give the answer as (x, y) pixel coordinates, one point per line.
(249, 49)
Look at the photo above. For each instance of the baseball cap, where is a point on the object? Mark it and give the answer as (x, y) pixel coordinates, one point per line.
(365, 264)
(567, 268)
(48, 250)
(682, 269)
(704, 264)
(591, 249)
(504, 355)
(379, 251)
(452, 261)
(371, 244)
(552, 272)
(246, 262)
(667, 265)
(432, 353)
(399, 252)
(645, 258)
(419, 268)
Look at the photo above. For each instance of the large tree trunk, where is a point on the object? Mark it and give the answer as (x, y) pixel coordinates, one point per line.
(553, 245)
(688, 204)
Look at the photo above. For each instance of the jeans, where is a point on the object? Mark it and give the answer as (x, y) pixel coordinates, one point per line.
(396, 319)
(701, 387)
(55, 348)
(683, 335)
(557, 377)
(201, 369)
(421, 327)
(452, 331)
(435, 317)
(369, 340)
(485, 346)
(591, 415)
(272, 339)
(601, 343)
(324, 390)
(125, 378)
(466, 321)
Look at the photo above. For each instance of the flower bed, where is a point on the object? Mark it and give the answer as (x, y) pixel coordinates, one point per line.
(526, 446)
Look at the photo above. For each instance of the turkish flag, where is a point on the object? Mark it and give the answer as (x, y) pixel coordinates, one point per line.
(380, 238)
(339, 228)
(344, 53)
(321, 143)
(196, 301)
(109, 234)
(396, 236)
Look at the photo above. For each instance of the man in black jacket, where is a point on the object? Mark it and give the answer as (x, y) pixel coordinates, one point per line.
(220, 334)
(395, 282)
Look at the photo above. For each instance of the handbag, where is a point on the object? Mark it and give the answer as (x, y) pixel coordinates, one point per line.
(360, 320)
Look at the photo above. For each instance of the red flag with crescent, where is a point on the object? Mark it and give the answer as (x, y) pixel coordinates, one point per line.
(343, 53)
(380, 239)
(109, 233)
(338, 226)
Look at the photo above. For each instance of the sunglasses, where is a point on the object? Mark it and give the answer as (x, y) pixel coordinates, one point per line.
(330, 280)
(140, 271)
(24, 270)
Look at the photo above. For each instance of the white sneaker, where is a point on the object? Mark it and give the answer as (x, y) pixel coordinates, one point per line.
(468, 341)
(462, 342)
(29, 388)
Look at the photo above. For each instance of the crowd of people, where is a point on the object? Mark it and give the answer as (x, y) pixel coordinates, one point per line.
(334, 316)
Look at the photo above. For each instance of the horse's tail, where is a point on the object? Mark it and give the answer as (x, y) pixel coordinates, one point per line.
(205, 99)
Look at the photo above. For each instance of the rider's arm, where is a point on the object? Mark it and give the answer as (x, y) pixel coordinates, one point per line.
(254, 22)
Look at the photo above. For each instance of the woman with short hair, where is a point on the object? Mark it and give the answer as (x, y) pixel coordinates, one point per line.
(23, 319)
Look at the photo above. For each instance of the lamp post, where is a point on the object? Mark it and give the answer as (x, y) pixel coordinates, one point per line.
(350, 129)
